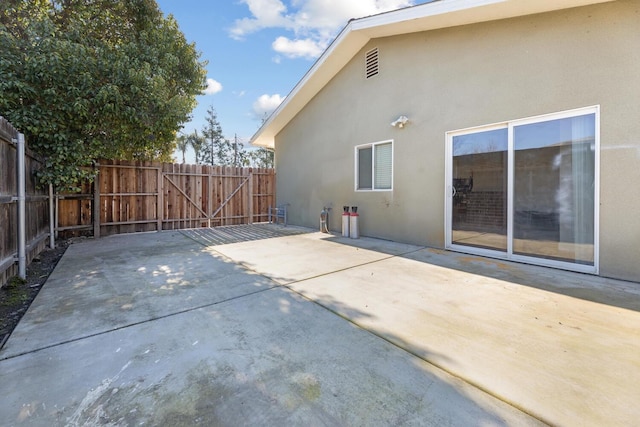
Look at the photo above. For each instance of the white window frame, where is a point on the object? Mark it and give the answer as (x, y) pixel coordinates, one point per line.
(371, 145)
(509, 255)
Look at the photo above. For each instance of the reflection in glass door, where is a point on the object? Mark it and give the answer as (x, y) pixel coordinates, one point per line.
(554, 189)
(527, 190)
(479, 187)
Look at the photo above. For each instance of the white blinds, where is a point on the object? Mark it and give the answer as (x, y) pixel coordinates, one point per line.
(383, 166)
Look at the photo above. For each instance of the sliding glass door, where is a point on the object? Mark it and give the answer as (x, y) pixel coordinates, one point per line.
(479, 189)
(526, 190)
(554, 189)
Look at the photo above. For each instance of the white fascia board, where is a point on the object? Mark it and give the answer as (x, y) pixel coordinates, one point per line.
(450, 13)
(425, 17)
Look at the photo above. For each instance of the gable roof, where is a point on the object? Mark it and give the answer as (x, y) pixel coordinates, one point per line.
(357, 33)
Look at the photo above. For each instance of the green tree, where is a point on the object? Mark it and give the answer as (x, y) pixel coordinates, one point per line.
(217, 149)
(240, 156)
(262, 158)
(197, 142)
(182, 143)
(91, 79)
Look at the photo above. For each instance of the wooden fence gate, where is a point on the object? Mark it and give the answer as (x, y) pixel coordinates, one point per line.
(144, 196)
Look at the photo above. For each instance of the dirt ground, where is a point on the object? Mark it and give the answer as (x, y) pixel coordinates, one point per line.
(17, 295)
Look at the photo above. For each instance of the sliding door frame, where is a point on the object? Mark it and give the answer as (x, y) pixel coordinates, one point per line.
(509, 254)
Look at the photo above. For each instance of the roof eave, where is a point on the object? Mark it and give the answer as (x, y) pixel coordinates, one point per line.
(358, 32)
(333, 59)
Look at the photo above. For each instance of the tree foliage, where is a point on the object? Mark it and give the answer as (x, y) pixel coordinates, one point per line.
(91, 79)
(217, 148)
(240, 156)
(213, 148)
(182, 144)
(197, 142)
(262, 158)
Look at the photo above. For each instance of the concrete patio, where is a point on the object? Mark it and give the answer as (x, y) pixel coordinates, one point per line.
(271, 325)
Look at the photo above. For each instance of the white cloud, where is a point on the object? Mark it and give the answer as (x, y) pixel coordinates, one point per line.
(334, 14)
(213, 87)
(304, 48)
(265, 105)
(314, 23)
(266, 14)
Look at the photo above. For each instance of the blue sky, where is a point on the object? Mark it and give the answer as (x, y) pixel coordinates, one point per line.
(257, 50)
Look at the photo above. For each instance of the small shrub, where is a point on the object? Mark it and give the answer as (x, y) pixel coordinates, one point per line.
(15, 281)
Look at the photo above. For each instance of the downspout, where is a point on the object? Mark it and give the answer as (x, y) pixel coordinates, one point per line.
(22, 220)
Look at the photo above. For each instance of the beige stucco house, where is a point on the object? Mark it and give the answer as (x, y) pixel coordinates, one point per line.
(522, 140)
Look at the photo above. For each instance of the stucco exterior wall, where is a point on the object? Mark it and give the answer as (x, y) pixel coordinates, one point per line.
(463, 77)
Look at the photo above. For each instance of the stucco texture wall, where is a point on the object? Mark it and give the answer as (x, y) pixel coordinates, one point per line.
(463, 77)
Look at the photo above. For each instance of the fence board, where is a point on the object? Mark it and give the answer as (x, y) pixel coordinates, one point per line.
(147, 196)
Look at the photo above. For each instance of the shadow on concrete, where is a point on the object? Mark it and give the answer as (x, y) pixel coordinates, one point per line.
(158, 332)
(602, 290)
(241, 233)
(587, 287)
(117, 282)
(269, 359)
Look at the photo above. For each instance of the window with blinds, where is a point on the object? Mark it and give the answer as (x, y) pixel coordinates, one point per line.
(374, 163)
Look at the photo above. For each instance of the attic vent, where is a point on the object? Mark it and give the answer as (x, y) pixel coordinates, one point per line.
(371, 63)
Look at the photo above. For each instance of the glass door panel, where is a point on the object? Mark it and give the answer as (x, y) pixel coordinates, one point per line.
(479, 187)
(554, 189)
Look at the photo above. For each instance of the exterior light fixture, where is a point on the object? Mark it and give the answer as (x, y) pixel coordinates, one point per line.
(400, 122)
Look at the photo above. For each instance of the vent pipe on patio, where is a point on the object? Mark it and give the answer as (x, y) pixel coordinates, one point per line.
(324, 220)
(345, 221)
(353, 223)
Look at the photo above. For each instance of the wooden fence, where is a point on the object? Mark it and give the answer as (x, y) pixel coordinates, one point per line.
(37, 215)
(126, 197)
(146, 196)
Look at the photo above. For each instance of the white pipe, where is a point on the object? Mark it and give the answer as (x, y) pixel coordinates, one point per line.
(52, 224)
(22, 220)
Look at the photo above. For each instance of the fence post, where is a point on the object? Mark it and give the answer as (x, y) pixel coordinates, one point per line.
(57, 215)
(250, 201)
(160, 200)
(22, 214)
(96, 204)
(209, 195)
(52, 224)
